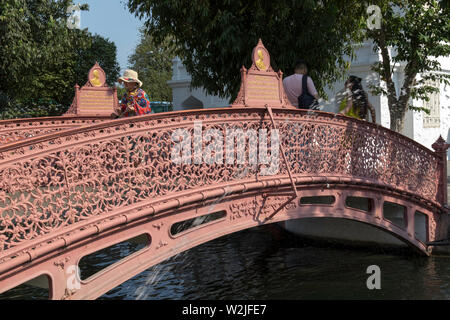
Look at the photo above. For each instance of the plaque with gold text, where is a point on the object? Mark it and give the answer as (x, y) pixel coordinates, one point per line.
(261, 86)
(95, 98)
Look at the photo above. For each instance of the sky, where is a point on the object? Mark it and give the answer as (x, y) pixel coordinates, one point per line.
(111, 19)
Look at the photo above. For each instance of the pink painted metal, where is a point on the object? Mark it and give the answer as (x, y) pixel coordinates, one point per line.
(440, 147)
(64, 189)
(261, 86)
(18, 129)
(70, 193)
(95, 98)
(67, 183)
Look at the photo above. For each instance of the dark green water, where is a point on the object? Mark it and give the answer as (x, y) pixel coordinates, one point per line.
(269, 263)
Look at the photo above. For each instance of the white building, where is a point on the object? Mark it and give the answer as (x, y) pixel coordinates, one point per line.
(419, 126)
(184, 97)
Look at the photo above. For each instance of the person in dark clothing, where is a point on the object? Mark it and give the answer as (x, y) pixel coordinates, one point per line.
(358, 104)
(293, 84)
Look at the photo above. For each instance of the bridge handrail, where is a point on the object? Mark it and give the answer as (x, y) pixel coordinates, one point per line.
(4, 122)
(160, 116)
(12, 130)
(60, 170)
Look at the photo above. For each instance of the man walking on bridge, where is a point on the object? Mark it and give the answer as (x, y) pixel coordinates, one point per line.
(294, 83)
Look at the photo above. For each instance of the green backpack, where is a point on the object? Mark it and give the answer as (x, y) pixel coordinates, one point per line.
(352, 113)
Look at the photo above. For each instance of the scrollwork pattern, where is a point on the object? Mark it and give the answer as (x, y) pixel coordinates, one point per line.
(64, 179)
(16, 130)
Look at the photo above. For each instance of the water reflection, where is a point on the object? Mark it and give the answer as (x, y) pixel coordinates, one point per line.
(269, 263)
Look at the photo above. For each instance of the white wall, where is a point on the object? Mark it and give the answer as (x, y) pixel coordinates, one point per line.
(427, 136)
(181, 90)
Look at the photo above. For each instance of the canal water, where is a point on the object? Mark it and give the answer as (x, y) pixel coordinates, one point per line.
(269, 263)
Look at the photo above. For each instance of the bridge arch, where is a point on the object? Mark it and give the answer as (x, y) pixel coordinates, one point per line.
(243, 210)
(63, 195)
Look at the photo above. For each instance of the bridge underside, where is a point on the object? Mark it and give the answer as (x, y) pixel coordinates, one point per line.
(173, 230)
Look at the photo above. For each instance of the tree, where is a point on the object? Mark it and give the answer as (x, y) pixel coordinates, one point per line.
(42, 59)
(99, 50)
(37, 55)
(413, 33)
(154, 66)
(215, 38)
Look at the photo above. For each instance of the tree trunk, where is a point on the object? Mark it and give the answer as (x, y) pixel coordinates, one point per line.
(402, 103)
(397, 106)
(397, 118)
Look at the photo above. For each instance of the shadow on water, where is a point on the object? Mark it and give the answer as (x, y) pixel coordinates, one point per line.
(270, 263)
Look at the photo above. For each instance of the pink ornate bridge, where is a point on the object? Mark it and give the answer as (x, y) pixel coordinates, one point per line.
(15, 130)
(70, 192)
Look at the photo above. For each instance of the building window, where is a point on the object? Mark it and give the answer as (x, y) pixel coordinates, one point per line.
(432, 120)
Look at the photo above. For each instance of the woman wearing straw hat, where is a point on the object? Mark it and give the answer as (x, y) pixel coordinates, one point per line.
(135, 101)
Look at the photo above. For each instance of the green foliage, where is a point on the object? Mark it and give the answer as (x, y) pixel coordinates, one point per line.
(12, 109)
(32, 108)
(39, 57)
(6, 103)
(42, 58)
(215, 38)
(121, 91)
(154, 66)
(418, 31)
(99, 50)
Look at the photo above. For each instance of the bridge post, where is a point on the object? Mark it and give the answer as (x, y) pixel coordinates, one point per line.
(410, 223)
(440, 148)
(378, 207)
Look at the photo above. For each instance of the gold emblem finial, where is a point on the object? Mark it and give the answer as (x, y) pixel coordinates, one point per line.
(260, 62)
(95, 81)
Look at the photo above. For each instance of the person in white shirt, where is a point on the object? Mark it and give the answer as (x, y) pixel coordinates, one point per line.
(293, 83)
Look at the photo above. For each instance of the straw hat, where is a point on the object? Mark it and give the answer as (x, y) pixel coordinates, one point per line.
(130, 76)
